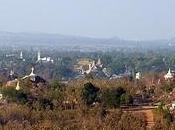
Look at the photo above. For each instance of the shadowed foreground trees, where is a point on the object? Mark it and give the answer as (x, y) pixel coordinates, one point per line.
(114, 97)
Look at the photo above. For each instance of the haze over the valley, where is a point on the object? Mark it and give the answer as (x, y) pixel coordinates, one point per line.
(136, 19)
(78, 43)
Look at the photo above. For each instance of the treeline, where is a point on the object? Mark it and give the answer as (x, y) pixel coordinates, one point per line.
(115, 61)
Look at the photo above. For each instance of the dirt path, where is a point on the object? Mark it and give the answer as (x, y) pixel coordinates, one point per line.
(149, 118)
(146, 111)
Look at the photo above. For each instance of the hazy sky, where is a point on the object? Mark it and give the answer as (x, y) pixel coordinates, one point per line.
(128, 19)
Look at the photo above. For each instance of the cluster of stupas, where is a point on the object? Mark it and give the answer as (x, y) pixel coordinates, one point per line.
(15, 81)
(39, 58)
(92, 67)
(20, 56)
(99, 67)
(168, 76)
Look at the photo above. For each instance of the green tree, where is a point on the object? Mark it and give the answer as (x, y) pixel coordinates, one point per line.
(112, 97)
(126, 99)
(55, 85)
(89, 93)
(15, 96)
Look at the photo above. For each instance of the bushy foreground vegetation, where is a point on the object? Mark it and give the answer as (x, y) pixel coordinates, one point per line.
(79, 105)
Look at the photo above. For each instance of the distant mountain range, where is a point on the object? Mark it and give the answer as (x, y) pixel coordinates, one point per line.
(76, 42)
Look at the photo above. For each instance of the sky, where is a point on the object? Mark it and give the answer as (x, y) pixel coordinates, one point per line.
(127, 19)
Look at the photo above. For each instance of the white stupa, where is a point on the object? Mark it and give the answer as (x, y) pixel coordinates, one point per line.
(39, 56)
(172, 106)
(1, 96)
(17, 86)
(12, 73)
(21, 55)
(138, 75)
(32, 72)
(32, 75)
(169, 75)
(93, 65)
(87, 71)
(99, 64)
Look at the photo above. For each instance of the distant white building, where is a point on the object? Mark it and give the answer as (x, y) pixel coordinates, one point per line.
(169, 75)
(10, 55)
(44, 59)
(115, 76)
